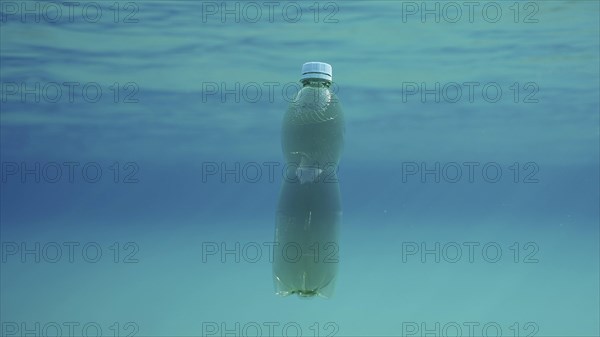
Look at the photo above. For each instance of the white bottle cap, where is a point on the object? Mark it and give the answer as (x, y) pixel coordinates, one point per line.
(317, 70)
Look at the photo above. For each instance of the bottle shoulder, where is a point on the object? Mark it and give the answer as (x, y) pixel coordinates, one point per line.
(309, 111)
(317, 99)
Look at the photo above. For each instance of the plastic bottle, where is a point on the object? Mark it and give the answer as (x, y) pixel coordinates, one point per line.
(309, 213)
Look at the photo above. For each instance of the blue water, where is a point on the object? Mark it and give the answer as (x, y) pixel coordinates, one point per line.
(169, 112)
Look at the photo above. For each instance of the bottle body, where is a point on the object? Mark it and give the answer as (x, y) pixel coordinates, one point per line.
(309, 211)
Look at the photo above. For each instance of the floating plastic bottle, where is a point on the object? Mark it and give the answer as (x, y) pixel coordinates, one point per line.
(309, 213)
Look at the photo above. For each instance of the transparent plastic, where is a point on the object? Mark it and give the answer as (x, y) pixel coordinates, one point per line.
(309, 212)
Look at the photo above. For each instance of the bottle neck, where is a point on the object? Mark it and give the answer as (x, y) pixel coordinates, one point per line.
(315, 82)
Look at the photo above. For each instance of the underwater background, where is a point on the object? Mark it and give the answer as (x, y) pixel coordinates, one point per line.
(141, 167)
